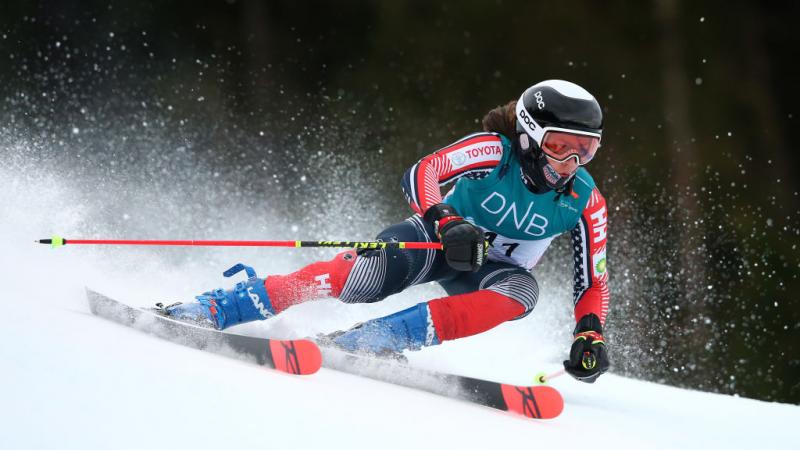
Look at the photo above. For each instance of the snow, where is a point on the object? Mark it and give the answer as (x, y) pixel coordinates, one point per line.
(72, 380)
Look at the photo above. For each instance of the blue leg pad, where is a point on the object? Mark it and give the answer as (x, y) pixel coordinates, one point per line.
(410, 328)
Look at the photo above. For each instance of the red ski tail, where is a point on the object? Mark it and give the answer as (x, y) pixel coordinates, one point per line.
(538, 402)
(298, 357)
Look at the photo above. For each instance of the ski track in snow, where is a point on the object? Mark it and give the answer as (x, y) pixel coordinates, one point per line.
(72, 380)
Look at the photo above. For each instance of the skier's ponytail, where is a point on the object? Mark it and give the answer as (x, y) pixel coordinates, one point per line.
(502, 119)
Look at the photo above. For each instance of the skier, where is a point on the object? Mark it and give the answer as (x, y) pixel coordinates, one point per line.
(520, 183)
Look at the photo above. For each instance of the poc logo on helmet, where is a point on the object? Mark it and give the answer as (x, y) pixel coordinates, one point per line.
(527, 119)
(539, 99)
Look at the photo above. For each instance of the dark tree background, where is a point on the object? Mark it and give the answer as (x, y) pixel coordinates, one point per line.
(697, 162)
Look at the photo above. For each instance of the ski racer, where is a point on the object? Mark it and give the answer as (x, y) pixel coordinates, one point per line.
(519, 184)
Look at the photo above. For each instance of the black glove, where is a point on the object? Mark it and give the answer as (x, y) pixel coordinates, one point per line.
(588, 357)
(463, 243)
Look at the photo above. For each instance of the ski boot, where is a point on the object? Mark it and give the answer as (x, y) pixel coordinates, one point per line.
(387, 337)
(245, 302)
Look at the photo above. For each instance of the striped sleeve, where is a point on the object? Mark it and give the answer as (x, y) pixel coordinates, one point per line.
(474, 156)
(591, 274)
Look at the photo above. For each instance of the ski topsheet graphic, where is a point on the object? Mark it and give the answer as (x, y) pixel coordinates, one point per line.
(300, 356)
(537, 402)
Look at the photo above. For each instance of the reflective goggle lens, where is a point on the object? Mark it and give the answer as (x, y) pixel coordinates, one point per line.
(560, 146)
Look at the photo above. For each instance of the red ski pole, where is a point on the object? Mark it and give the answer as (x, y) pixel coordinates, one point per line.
(57, 241)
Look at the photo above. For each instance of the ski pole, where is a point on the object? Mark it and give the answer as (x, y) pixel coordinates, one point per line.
(542, 377)
(57, 241)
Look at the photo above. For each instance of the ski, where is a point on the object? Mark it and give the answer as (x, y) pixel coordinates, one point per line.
(298, 357)
(304, 357)
(535, 402)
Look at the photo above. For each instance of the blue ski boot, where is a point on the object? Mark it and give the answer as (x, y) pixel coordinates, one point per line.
(245, 302)
(388, 336)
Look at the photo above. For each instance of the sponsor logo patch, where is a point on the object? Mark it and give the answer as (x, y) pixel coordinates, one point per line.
(527, 119)
(459, 159)
(484, 150)
(481, 152)
(599, 263)
(324, 286)
(539, 99)
(257, 303)
(564, 204)
(599, 222)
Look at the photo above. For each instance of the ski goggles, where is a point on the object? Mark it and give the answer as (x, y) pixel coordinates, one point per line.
(560, 145)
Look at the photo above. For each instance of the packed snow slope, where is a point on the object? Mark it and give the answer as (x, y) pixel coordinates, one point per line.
(72, 380)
